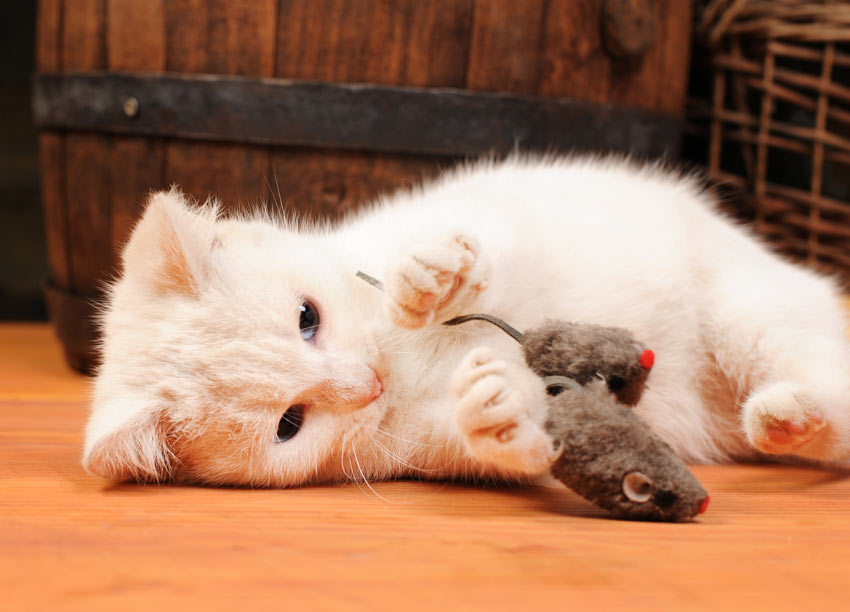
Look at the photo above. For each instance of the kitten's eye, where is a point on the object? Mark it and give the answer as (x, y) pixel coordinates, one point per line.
(309, 321)
(290, 423)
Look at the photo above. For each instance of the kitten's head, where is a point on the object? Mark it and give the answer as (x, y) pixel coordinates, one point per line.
(232, 353)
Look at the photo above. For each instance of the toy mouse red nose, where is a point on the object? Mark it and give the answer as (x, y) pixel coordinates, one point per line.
(647, 359)
(704, 505)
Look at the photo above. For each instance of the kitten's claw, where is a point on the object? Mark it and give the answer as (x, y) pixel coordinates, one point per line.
(431, 279)
(783, 419)
(500, 409)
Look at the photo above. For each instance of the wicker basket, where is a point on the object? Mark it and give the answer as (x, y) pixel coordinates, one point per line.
(777, 119)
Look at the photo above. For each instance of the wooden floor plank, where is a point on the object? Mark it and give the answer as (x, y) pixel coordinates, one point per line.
(32, 367)
(775, 537)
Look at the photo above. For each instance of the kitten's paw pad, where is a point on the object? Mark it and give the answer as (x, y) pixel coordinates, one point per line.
(782, 419)
(429, 277)
(492, 413)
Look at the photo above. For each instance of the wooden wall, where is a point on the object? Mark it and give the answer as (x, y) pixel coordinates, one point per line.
(94, 184)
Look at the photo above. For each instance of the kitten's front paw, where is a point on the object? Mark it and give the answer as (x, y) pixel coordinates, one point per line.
(500, 411)
(432, 279)
(784, 419)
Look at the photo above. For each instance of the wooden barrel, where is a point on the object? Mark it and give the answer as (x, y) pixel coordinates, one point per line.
(123, 111)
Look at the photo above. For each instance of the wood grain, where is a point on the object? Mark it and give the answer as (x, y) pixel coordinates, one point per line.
(635, 82)
(241, 36)
(222, 37)
(238, 175)
(136, 35)
(437, 43)
(774, 538)
(88, 193)
(87, 156)
(137, 170)
(408, 42)
(412, 42)
(51, 150)
(83, 35)
(505, 46)
(136, 43)
(322, 185)
(32, 367)
(51, 147)
(48, 46)
(675, 58)
(574, 63)
(658, 78)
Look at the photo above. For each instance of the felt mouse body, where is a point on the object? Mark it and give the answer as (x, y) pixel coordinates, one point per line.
(610, 458)
(607, 454)
(588, 352)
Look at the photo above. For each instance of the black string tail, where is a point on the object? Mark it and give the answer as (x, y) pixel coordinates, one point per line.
(511, 331)
(371, 280)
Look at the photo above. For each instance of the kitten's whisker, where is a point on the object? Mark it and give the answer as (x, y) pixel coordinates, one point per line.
(354, 479)
(348, 439)
(274, 204)
(389, 435)
(365, 480)
(279, 197)
(343, 455)
(251, 453)
(399, 459)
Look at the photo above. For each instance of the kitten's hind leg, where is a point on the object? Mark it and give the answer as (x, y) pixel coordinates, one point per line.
(791, 348)
(803, 405)
(501, 408)
(784, 418)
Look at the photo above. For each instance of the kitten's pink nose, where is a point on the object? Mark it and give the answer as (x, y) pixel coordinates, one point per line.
(377, 387)
(351, 393)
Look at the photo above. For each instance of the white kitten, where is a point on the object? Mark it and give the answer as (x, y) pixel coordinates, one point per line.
(218, 328)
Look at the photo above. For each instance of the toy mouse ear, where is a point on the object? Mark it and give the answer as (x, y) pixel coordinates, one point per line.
(169, 248)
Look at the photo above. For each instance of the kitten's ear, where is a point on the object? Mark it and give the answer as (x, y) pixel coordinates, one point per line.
(169, 249)
(128, 445)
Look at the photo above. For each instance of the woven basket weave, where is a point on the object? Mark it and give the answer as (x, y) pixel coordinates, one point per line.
(777, 120)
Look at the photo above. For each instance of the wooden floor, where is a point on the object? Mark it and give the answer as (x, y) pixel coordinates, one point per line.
(773, 538)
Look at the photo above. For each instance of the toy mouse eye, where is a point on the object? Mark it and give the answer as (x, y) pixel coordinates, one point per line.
(290, 423)
(308, 321)
(616, 383)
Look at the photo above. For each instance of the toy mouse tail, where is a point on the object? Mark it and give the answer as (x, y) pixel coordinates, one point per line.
(511, 331)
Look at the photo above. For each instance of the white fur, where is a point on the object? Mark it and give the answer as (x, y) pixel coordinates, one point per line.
(196, 374)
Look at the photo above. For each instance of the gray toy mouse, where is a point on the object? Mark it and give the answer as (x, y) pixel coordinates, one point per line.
(607, 455)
